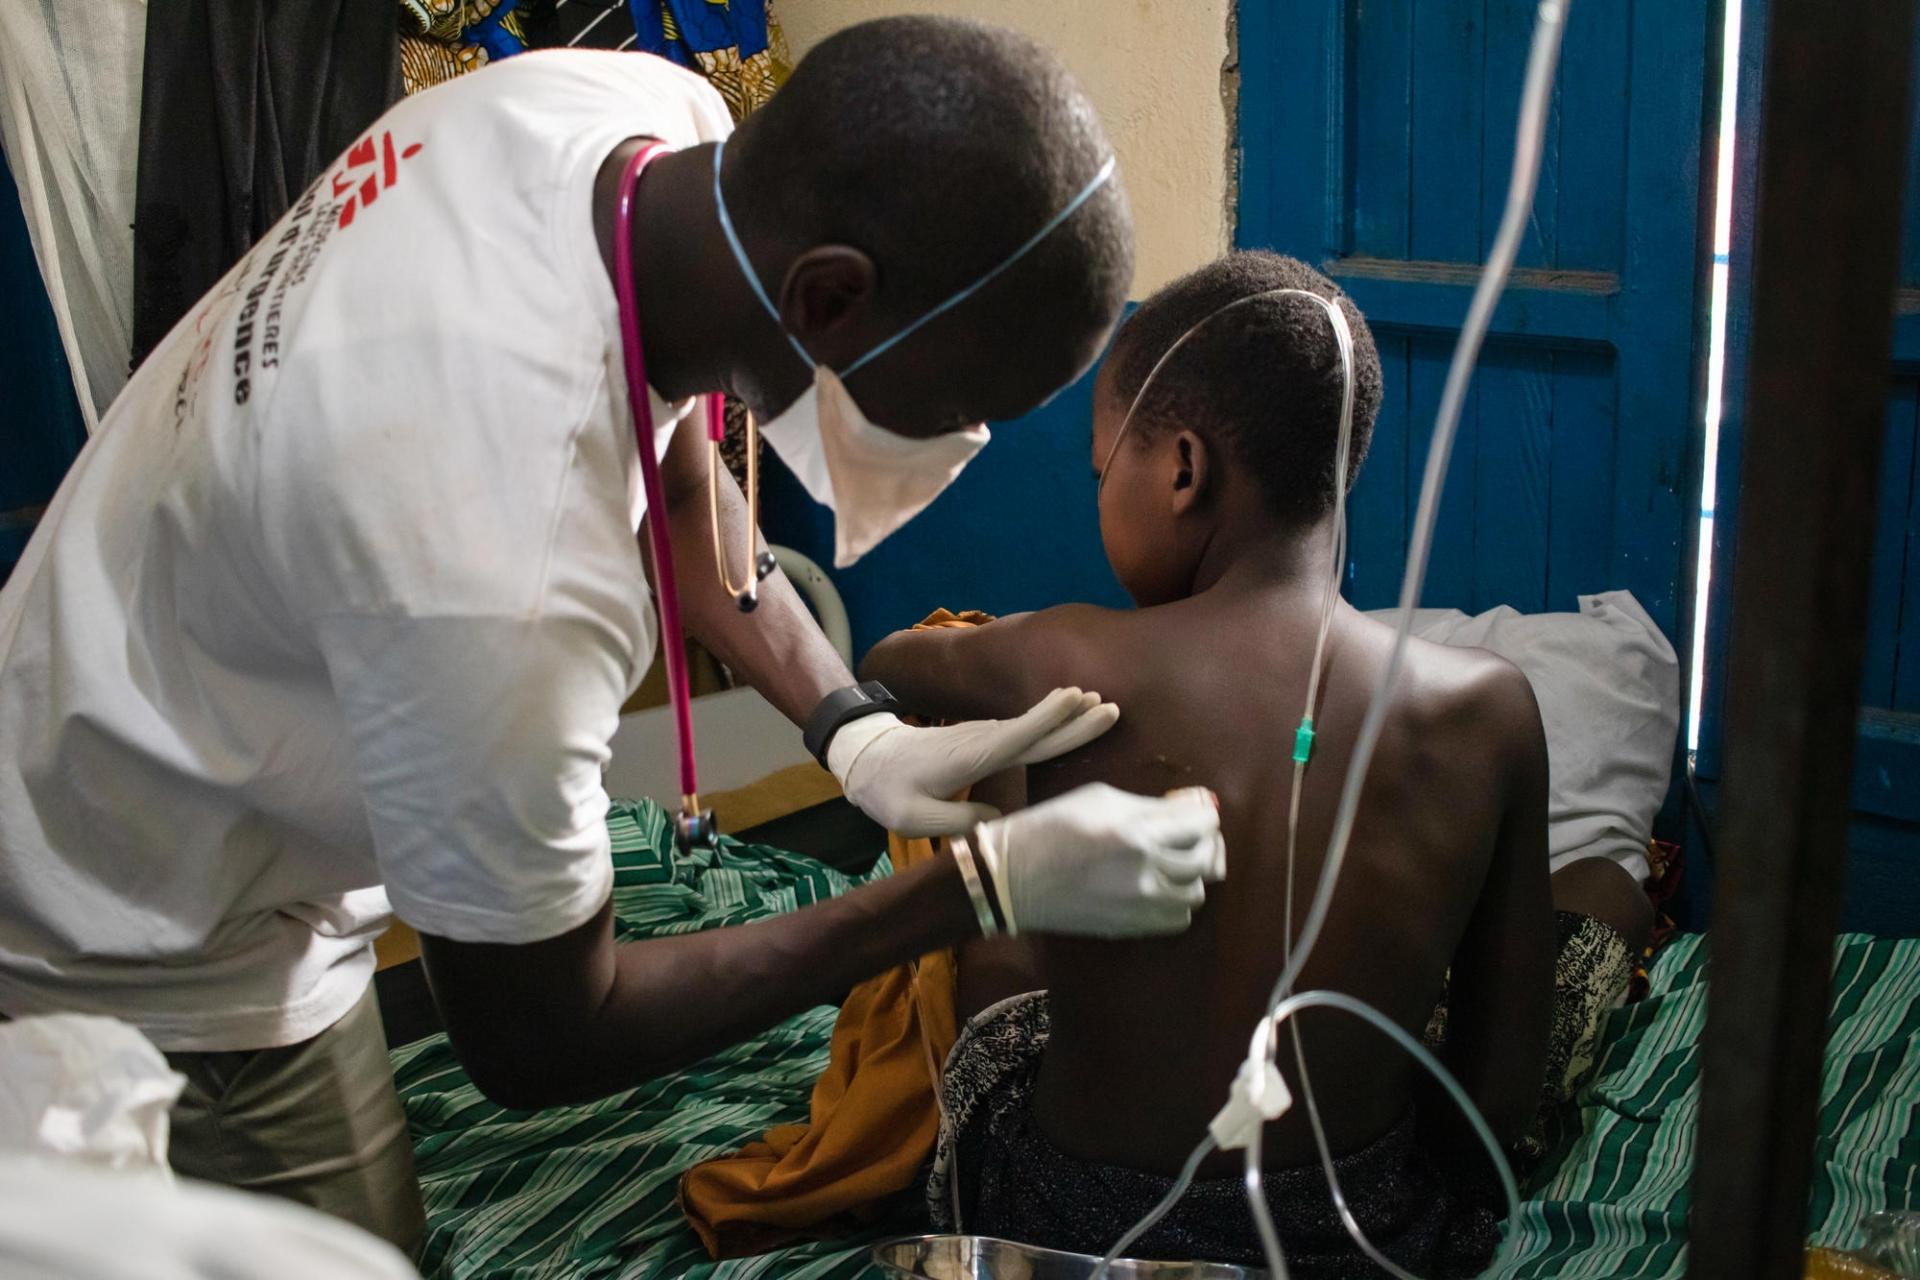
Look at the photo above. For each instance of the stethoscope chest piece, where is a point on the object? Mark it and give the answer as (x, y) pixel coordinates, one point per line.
(696, 830)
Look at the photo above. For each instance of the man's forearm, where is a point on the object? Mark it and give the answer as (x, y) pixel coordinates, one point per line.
(674, 1003)
(778, 648)
(674, 1000)
(578, 1017)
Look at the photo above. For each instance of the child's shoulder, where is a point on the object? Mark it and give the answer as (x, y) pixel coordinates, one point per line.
(1454, 688)
(1071, 615)
(1076, 630)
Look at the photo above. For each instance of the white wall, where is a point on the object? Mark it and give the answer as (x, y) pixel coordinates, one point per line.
(1153, 69)
(738, 738)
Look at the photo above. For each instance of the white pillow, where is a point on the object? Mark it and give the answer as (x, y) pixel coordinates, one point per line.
(1608, 684)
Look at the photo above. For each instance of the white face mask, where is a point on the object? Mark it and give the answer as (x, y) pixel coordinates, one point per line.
(872, 479)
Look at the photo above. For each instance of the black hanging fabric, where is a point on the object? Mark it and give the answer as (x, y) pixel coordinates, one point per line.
(578, 24)
(245, 101)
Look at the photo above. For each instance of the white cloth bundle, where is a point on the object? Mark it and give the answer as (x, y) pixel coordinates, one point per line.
(87, 1089)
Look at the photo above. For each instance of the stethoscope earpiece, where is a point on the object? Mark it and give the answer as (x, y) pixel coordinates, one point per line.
(748, 600)
(765, 565)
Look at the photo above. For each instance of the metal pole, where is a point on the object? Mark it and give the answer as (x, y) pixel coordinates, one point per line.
(1834, 123)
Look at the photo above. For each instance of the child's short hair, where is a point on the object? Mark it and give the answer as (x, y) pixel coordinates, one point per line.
(1263, 378)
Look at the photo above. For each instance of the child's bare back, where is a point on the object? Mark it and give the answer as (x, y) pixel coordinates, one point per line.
(1447, 866)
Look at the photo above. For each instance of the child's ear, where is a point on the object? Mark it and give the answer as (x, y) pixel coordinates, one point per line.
(1192, 474)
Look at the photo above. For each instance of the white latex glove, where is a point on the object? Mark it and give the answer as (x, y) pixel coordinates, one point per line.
(1104, 863)
(904, 777)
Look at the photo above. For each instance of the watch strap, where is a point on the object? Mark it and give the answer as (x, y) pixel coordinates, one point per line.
(842, 707)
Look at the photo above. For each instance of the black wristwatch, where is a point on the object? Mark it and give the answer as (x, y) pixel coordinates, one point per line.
(842, 707)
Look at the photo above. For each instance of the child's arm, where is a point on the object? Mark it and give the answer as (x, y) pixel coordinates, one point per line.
(956, 673)
(1500, 1003)
(991, 671)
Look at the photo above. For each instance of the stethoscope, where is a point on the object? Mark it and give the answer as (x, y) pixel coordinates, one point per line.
(694, 827)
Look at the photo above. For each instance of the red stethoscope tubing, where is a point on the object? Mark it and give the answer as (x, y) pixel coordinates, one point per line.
(665, 588)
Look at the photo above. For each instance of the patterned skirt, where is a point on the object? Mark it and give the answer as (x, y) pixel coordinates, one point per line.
(995, 1173)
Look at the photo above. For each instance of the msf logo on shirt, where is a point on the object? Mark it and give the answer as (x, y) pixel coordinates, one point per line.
(370, 169)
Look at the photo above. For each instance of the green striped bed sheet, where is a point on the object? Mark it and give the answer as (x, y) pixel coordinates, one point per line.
(1611, 1198)
(589, 1191)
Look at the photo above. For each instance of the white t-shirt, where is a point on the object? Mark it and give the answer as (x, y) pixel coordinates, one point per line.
(340, 606)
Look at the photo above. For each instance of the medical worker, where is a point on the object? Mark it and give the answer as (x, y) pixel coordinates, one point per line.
(335, 616)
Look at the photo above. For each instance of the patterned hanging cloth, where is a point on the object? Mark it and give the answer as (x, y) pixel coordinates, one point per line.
(441, 39)
(736, 44)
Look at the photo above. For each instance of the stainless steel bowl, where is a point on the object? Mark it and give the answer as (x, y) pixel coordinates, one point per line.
(984, 1258)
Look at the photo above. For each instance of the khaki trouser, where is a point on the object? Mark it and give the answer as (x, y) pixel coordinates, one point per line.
(317, 1122)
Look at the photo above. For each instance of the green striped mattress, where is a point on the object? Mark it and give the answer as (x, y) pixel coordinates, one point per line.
(589, 1191)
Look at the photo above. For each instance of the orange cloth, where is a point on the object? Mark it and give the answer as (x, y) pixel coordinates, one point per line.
(873, 1117)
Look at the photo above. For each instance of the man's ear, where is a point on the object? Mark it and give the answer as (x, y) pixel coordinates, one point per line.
(1193, 472)
(826, 288)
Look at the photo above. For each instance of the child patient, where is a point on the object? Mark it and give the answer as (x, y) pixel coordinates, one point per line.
(1072, 1108)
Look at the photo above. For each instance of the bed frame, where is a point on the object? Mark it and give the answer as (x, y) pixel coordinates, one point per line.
(1826, 259)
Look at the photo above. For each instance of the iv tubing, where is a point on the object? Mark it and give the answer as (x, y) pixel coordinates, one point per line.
(1526, 170)
(1255, 1187)
(1529, 140)
(1283, 1012)
(1528, 143)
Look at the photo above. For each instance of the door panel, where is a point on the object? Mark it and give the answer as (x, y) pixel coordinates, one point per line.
(1883, 891)
(1376, 143)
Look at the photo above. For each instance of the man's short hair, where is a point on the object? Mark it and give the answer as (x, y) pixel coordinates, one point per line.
(938, 146)
(1263, 378)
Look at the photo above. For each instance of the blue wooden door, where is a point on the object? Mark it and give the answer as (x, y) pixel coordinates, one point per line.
(1883, 892)
(1376, 142)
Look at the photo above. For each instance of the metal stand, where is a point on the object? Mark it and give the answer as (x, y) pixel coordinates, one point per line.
(1834, 128)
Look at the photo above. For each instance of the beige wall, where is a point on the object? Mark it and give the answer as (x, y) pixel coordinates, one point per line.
(1153, 67)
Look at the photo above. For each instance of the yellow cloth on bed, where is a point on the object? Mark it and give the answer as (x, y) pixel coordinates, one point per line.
(873, 1118)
